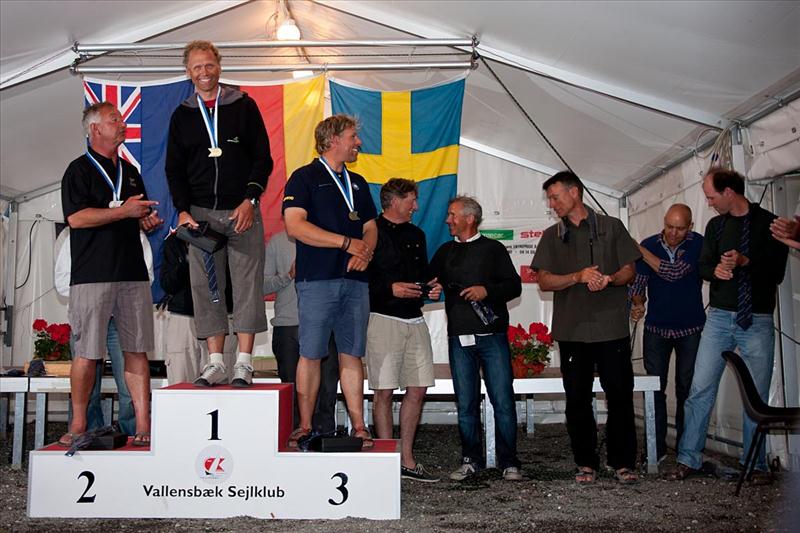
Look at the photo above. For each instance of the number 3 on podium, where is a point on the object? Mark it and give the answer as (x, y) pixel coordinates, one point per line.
(342, 488)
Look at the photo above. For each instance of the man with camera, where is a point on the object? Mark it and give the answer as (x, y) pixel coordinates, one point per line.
(217, 166)
(399, 353)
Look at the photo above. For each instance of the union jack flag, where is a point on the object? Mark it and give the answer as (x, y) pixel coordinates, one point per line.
(127, 99)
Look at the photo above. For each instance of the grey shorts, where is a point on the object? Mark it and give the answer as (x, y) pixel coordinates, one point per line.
(399, 354)
(244, 255)
(91, 306)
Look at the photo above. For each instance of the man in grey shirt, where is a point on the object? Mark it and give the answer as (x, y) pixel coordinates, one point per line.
(279, 279)
(587, 260)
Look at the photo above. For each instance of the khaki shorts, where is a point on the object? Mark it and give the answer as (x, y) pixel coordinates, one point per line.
(399, 354)
(91, 306)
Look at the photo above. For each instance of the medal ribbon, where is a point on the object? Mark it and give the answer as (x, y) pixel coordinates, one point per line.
(116, 192)
(345, 188)
(211, 128)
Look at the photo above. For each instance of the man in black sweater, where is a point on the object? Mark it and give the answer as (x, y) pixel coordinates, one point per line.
(399, 353)
(744, 265)
(479, 279)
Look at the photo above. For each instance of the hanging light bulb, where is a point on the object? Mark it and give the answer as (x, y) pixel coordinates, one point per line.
(288, 31)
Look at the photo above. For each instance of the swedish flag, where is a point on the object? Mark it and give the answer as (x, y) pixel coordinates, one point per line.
(412, 135)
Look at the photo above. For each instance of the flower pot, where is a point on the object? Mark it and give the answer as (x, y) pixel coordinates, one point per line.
(53, 356)
(521, 369)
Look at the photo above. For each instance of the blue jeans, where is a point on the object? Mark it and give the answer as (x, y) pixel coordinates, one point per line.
(656, 352)
(757, 347)
(94, 411)
(490, 354)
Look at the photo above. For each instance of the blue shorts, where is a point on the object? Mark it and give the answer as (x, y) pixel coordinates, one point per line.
(338, 306)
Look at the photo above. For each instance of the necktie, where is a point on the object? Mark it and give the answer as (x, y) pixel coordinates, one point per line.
(744, 312)
(211, 272)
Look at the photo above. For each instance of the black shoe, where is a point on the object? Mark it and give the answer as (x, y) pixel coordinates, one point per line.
(418, 473)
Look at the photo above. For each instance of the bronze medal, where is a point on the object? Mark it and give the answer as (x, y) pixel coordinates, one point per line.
(353, 215)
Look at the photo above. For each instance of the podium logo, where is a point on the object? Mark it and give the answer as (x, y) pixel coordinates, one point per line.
(214, 464)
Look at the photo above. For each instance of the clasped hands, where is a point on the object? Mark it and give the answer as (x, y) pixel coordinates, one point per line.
(727, 262)
(593, 278)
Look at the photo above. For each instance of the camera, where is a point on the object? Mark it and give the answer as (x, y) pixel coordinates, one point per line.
(424, 287)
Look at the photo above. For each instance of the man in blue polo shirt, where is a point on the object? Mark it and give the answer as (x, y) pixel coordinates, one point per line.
(330, 213)
(675, 317)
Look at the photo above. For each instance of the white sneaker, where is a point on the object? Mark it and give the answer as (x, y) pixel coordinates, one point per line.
(242, 375)
(464, 471)
(213, 374)
(512, 473)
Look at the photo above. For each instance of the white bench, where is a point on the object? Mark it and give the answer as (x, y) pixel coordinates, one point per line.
(19, 388)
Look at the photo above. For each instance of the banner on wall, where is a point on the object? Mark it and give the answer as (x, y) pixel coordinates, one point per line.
(521, 240)
(413, 135)
(290, 111)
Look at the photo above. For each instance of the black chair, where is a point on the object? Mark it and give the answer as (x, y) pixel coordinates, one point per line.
(767, 418)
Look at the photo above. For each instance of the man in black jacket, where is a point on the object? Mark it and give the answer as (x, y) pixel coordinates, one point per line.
(218, 162)
(479, 280)
(399, 353)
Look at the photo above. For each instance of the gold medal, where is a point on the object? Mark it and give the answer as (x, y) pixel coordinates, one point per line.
(353, 215)
(214, 152)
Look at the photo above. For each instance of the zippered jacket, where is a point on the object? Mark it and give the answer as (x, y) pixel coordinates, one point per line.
(217, 182)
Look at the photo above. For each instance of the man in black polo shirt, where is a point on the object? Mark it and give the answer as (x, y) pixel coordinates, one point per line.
(104, 203)
(329, 211)
(587, 259)
(744, 265)
(399, 353)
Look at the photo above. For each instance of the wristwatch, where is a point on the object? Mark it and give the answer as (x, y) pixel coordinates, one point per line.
(253, 201)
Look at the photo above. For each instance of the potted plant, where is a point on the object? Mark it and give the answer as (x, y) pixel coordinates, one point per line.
(530, 350)
(52, 341)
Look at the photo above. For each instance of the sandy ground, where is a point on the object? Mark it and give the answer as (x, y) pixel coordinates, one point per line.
(546, 500)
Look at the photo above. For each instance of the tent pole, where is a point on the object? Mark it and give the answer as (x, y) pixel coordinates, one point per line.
(78, 68)
(104, 48)
(9, 292)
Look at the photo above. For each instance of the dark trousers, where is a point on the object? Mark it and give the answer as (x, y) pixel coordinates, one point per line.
(657, 351)
(612, 361)
(286, 347)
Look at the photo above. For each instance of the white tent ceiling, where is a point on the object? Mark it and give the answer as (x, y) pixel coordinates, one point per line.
(706, 62)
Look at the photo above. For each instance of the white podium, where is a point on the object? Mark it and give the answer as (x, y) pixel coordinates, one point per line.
(216, 453)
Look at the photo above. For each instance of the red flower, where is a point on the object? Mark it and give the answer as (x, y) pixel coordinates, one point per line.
(52, 340)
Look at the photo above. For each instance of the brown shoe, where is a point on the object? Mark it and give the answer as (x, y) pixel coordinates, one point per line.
(680, 473)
